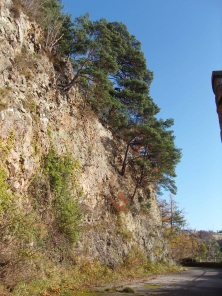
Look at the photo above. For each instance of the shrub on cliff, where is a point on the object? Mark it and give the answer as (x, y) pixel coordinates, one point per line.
(48, 14)
(19, 234)
(62, 175)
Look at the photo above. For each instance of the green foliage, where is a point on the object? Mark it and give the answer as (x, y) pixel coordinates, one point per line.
(51, 19)
(3, 105)
(5, 201)
(209, 247)
(145, 207)
(19, 234)
(155, 154)
(62, 172)
(13, 219)
(49, 12)
(127, 290)
(49, 15)
(87, 273)
(203, 249)
(152, 286)
(6, 145)
(110, 69)
(112, 75)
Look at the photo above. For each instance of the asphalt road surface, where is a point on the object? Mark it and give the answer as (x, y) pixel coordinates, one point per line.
(195, 281)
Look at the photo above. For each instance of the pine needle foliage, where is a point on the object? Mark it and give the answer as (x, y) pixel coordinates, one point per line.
(110, 69)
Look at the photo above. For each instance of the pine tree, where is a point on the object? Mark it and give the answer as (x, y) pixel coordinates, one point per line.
(156, 155)
(110, 69)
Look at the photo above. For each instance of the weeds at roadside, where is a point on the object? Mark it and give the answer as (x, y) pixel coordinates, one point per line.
(85, 274)
(127, 290)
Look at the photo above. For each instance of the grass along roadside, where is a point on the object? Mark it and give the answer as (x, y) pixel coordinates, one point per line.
(85, 275)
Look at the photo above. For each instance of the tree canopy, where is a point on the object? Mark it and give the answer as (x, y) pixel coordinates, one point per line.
(111, 71)
(172, 217)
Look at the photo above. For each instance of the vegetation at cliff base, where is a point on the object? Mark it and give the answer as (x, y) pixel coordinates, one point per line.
(86, 274)
(19, 235)
(39, 227)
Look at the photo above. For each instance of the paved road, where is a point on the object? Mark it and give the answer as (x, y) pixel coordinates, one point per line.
(195, 281)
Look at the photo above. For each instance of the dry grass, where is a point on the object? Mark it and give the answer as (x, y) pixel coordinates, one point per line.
(3, 105)
(15, 9)
(85, 274)
(5, 97)
(25, 64)
(29, 6)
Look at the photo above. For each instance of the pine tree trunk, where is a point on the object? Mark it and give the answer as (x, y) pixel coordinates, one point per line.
(73, 81)
(138, 182)
(125, 158)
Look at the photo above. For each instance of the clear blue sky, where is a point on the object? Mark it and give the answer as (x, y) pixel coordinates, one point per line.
(182, 43)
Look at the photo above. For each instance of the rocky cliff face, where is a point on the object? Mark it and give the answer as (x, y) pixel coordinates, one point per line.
(35, 113)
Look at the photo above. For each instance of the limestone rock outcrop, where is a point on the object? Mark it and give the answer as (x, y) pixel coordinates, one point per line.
(38, 113)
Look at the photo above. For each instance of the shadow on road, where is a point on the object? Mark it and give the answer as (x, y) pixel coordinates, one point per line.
(195, 281)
